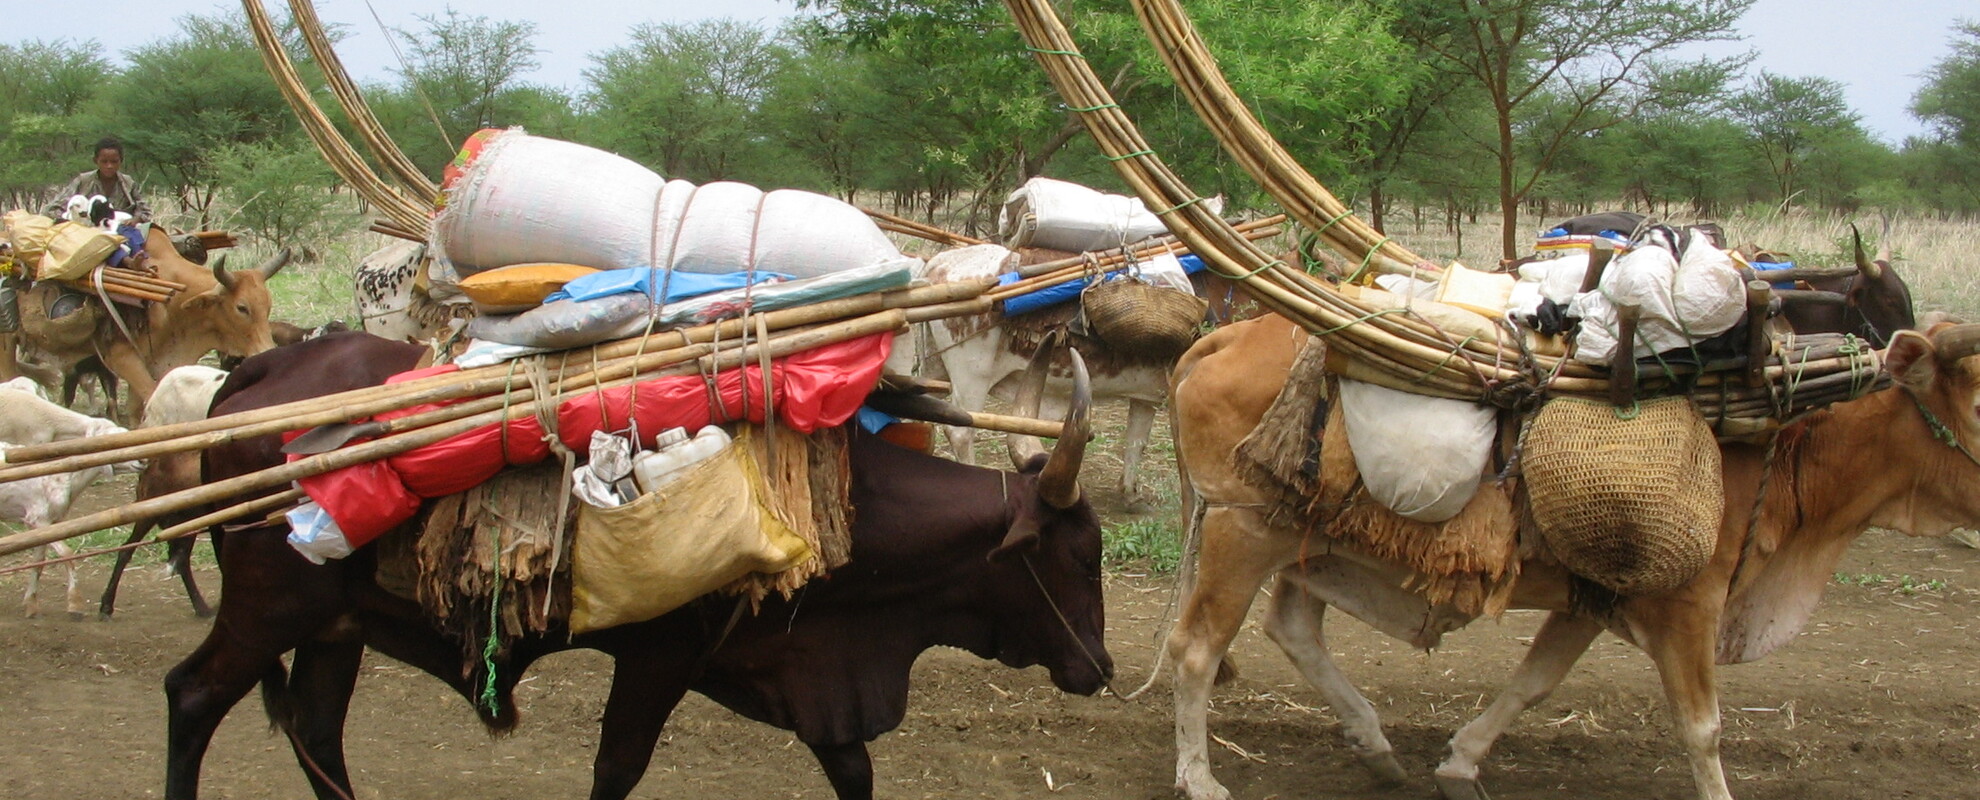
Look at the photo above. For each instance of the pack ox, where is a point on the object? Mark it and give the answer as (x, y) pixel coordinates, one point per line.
(1879, 460)
(1876, 302)
(1004, 565)
(984, 356)
(219, 310)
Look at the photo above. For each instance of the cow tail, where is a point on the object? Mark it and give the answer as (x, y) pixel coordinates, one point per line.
(277, 699)
(1192, 512)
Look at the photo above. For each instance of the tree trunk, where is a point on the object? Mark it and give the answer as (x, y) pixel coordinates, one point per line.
(1376, 205)
(1508, 202)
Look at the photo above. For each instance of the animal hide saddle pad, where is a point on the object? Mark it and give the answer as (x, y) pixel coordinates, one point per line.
(1299, 450)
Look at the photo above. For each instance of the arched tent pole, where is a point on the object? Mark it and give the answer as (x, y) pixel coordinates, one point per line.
(399, 167)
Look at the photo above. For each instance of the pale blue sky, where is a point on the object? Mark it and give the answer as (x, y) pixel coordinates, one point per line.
(1878, 50)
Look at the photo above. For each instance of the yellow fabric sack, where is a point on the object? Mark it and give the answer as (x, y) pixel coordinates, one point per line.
(518, 287)
(74, 249)
(697, 534)
(29, 232)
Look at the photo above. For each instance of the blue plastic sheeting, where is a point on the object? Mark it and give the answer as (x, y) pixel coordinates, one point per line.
(681, 285)
(872, 421)
(1769, 266)
(1054, 295)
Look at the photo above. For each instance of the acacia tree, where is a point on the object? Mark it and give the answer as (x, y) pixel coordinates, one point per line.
(44, 87)
(464, 73)
(1949, 104)
(687, 97)
(1789, 120)
(1590, 63)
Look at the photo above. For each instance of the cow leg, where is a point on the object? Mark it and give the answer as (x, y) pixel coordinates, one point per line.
(969, 397)
(1239, 551)
(1293, 619)
(1681, 636)
(124, 361)
(1561, 641)
(1140, 423)
(179, 553)
(322, 679)
(848, 767)
(107, 605)
(72, 594)
(31, 600)
(642, 698)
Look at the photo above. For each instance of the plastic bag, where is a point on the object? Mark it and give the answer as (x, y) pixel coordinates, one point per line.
(1419, 456)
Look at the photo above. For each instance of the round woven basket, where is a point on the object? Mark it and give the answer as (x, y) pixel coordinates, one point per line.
(1630, 503)
(1141, 321)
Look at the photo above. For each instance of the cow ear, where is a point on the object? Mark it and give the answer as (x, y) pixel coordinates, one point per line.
(1910, 360)
(201, 300)
(1022, 538)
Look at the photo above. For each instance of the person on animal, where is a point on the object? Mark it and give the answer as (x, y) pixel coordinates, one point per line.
(107, 179)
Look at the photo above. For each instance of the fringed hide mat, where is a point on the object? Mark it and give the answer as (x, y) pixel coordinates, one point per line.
(503, 541)
(1468, 562)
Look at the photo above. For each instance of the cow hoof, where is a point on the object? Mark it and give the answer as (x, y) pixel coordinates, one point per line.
(1455, 788)
(1387, 770)
(76, 616)
(203, 613)
(1202, 788)
(105, 616)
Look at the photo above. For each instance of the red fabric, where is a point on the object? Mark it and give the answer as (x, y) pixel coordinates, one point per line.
(815, 389)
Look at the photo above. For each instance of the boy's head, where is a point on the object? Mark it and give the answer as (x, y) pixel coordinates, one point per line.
(109, 156)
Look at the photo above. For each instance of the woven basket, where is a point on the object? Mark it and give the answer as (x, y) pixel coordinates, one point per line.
(1632, 504)
(1143, 322)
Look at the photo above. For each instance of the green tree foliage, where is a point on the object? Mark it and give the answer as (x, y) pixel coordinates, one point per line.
(1944, 168)
(689, 98)
(281, 191)
(44, 86)
(1793, 122)
(187, 95)
(463, 73)
(1555, 71)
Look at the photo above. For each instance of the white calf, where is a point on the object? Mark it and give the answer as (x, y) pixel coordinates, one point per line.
(25, 419)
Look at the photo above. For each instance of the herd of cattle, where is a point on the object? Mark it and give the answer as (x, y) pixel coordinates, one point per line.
(1005, 565)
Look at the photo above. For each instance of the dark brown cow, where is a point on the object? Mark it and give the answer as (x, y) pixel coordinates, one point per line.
(1004, 565)
(219, 310)
(1876, 301)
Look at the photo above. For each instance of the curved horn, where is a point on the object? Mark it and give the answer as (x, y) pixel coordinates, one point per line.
(1957, 342)
(1031, 393)
(221, 274)
(1863, 265)
(1058, 483)
(1884, 242)
(274, 264)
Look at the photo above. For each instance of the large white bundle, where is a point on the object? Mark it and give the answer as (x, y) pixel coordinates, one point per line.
(726, 226)
(1683, 301)
(524, 199)
(1420, 456)
(1067, 216)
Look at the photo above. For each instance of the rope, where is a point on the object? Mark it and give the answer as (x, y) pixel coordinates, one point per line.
(1066, 624)
(1941, 431)
(490, 699)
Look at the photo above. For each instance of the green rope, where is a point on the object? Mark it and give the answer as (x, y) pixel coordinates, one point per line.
(1330, 223)
(1452, 356)
(1073, 53)
(1179, 206)
(1126, 156)
(1627, 414)
(1090, 109)
(1940, 430)
(1361, 319)
(1367, 260)
(489, 698)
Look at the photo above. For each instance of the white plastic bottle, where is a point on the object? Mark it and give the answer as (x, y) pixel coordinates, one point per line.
(674, 453)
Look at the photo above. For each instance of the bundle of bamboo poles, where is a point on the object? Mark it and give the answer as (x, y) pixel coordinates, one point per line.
(128, 283)
(479, 397)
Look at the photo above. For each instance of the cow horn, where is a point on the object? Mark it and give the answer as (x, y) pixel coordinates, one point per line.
(1884, 242)
(274, 264)
(221, 274)
(1863, 265)
(1058, 483)
(1957, 342)
(1030, 395)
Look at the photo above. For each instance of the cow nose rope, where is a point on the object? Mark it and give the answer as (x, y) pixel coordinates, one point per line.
(1106, 680)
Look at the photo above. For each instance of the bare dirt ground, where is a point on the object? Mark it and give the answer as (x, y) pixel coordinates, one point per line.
(1879, 698)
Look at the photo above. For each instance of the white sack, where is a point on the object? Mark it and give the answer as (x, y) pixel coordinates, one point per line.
(963, 263)
(1420, 456)
(1683, 302)
(530, 199)
(1067, 216)
(1556, 279)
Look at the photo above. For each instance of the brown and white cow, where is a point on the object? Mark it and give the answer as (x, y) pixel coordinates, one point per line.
(218, 310)
(1874, 461)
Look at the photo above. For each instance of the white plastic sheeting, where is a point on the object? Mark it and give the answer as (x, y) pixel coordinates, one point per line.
(1067, 216)
(1420, 456)
(1683, 300)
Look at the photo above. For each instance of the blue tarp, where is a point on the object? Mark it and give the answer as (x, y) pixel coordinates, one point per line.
(682, 285)
(1051, 296)
(1769, 266)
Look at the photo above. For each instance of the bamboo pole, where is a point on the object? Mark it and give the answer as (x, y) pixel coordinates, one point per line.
(308, 466)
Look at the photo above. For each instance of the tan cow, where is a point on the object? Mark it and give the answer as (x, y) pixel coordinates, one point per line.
(1873, 461)
(219, 310)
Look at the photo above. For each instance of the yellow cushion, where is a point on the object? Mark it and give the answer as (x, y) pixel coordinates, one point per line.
(519, 286)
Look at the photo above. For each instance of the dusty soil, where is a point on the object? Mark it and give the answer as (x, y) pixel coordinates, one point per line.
(1879, 698)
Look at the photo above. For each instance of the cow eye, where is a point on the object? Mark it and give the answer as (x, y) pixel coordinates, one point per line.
(242, 308)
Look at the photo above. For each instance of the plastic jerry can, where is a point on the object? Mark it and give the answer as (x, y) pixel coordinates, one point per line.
(673, 453)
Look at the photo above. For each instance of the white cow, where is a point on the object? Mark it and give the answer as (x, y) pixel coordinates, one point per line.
(25, 418)
(184, 395)
(391, 303)
(984, 355)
